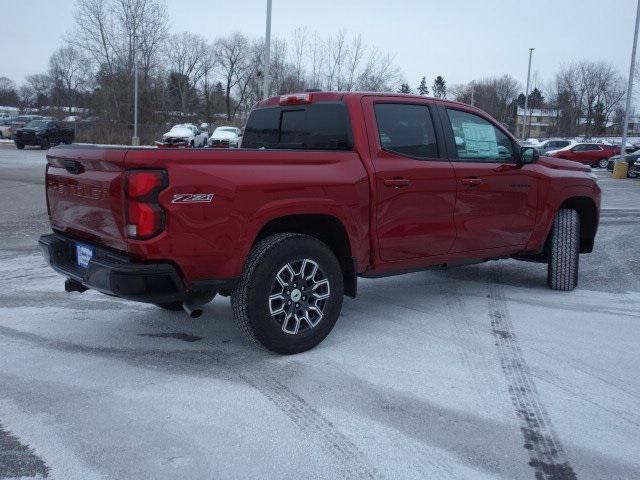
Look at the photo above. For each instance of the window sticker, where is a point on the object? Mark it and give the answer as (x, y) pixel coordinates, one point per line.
(480, 140)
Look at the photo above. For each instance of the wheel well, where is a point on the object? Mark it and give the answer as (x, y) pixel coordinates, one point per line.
(588, 213)
(328, 230)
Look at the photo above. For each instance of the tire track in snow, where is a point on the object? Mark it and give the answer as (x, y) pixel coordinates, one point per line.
(546, 454)
(350, 460)
(18, 460)
(314, 425)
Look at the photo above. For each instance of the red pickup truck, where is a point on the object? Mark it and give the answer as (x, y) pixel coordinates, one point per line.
(326, 188)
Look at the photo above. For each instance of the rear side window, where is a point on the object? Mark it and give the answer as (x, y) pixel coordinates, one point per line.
(319, 126)
(406, 129)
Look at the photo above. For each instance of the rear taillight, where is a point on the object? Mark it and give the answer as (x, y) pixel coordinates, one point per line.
(145, 216)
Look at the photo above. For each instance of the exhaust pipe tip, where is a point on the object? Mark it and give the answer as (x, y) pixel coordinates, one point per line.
(194, 301)
(192, 310)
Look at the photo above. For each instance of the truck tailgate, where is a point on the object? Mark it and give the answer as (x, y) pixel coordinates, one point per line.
(85, 195)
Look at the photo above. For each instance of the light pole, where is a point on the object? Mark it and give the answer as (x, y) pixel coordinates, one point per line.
(267, 54)
(135, 140)
(526, 96)
(621, 167)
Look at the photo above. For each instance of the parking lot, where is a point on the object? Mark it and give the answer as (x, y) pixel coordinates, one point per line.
(478, 372)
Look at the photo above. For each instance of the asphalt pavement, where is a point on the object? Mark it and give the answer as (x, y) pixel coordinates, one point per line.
(479, 372)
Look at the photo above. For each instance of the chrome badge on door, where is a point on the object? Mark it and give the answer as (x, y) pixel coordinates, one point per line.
(192, 198)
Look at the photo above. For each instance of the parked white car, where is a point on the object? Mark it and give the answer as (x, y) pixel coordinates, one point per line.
(5, 127)
(184, 135)
(226, 137)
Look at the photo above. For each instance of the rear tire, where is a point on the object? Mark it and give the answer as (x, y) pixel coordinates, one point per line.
(564, 251)
(603, 162)
(290, 294)
(19, 146)
(44, 144)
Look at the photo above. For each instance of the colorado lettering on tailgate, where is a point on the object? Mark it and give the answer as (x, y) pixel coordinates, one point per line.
(77, 189)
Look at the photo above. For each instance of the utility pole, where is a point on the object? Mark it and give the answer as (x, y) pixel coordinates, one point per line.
(135, 140)
(622, 166)
(526, 97)
(267, 54)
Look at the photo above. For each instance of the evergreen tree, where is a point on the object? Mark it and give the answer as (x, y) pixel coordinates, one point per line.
(599, 119)
(536, 99)
(422, 88)
(404, 88)
(439, 87)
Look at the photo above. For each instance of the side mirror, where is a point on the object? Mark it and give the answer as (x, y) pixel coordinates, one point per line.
(529, 155)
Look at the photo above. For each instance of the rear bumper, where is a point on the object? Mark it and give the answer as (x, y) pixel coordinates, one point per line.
(28, 139)
(114, 274)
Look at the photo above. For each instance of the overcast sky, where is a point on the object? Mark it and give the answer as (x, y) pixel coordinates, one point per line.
(459, 39)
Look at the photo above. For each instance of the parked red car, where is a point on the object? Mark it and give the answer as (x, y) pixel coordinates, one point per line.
(593, 154)
(328, 187)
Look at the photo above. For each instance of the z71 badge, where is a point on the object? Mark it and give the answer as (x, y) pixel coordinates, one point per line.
(192, 198)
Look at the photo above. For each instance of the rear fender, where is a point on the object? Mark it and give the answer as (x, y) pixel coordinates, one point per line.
(356, 234)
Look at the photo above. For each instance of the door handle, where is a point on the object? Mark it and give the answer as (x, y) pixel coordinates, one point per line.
(396, 182)
(472, 181)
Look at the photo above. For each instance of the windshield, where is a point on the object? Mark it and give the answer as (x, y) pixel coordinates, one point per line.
(37, 124)
(226, 129)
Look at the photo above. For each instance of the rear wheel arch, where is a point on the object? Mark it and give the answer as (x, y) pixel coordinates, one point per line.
(329, 229)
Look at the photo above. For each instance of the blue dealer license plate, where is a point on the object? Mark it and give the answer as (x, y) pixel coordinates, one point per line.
(84, 253)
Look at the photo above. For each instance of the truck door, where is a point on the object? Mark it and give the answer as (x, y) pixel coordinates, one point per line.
(415, 184)
(496, 203)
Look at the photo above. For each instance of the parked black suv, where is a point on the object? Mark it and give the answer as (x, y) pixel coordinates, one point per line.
(630, 158)
(43, 133)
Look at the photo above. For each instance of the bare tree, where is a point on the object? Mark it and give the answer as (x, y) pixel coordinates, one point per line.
(317, 61)
(583, 86)
(8, 93)
(187, 56)
(379, 74)
(111, 33)
(67, 73)
(36, 90)
(356, 52)
(299, 41)
(231, 52)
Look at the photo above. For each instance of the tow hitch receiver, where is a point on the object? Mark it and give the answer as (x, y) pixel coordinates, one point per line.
(71, 285)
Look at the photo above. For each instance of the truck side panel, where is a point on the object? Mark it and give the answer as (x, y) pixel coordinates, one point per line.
(250, 188)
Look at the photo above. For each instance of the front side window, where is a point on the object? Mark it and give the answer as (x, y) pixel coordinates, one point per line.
(406, 129)
(478, 139)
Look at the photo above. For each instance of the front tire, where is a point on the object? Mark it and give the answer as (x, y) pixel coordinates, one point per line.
(19, 146)
(564, 251)
(290, 294)
(45, 144)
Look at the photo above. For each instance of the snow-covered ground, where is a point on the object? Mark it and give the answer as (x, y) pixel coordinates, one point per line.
(478, 372)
